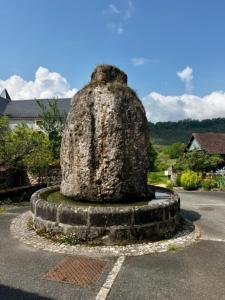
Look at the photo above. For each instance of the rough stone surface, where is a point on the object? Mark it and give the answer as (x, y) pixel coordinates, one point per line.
(104, 146)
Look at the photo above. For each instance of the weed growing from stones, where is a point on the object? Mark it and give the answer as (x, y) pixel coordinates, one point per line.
(70, 239)
(30, 224)
(174, 248)
(2, 210)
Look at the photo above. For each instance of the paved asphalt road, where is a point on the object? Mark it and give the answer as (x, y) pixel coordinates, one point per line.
(196, 272)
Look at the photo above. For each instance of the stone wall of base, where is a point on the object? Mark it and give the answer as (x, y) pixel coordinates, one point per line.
(110, 224)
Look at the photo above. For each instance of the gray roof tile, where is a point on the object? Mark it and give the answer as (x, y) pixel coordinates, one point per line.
(30, 109)
(5, 94)
(3, 104)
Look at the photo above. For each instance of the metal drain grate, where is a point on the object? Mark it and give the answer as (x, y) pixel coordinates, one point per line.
(82, 271)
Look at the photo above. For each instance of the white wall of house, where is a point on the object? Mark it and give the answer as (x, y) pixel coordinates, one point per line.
(194, 145)
(31, 123)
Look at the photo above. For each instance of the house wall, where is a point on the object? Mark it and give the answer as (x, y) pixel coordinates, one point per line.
(31, 123)
(194, 145)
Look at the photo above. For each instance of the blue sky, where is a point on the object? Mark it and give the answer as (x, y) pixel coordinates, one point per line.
(168, 48)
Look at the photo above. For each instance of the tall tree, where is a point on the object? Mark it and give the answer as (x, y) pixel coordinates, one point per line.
(52, 122)
(152, 156)
(199, 161)
(24, 148)
(176, 150)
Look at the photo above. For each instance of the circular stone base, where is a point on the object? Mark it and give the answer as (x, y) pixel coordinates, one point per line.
(151, 221)
(185, 237)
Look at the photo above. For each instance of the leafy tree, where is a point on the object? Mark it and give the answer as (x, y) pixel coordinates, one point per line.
(4, 137)
(52, 122)
(4, 131)
(176, 150)
(152, 156)
(38, 159)
(199, 161)
(24, 148)
(163, 161)
(167, 133)
(4, 125)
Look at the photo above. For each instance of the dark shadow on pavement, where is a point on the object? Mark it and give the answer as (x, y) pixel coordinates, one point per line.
(191, 215)
(9, 293)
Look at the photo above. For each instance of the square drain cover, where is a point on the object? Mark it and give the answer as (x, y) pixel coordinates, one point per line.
(82, 271)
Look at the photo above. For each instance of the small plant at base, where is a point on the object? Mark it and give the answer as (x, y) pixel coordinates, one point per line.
(45, 234)
(174, 248)
(169, 185)
(167, 235)
(2, 210)
(71, 239)
(30, 224)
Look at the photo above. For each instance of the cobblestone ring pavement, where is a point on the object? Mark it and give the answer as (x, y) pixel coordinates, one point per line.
(20, 230)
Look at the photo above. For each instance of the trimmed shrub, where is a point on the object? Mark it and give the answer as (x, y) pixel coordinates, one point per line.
(220, 182)
(208, 184)
(190, 180)
(177, 181)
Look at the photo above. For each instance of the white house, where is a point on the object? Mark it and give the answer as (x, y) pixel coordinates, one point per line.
(26, 111)
(212, 143)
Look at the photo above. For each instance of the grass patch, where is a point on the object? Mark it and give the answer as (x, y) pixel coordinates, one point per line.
(30, 224)
(2, 210)
(174, 248)
(157, 178)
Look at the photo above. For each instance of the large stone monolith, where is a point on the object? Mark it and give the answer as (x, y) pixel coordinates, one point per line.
(104, 146)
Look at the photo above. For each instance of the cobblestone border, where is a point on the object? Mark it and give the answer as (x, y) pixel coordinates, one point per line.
(20, 231)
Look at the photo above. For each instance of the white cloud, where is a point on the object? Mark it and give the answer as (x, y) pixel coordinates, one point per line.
(116, 27)
(186, 75)
(129, 11)
(138, 61)
(119, 17)
(46, 84)
(112, 9)
(120, 28)
(173, 108)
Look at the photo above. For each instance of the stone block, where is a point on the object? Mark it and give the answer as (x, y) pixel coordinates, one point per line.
(167, 227)
(73, 216)
(166, 213)
(148, 215)
(46, 211)
(111, 218)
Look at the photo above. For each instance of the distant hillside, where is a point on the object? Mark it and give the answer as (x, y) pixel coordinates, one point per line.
(166, 133)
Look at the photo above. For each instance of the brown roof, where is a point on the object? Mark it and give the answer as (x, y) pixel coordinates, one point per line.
(210, 142)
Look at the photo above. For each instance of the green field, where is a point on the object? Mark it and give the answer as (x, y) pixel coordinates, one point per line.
(157, 178)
